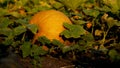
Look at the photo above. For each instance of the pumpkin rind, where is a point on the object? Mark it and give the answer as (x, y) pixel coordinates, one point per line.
(50, 24)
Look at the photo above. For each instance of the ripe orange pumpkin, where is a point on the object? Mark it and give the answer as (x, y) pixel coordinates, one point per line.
(50, 24)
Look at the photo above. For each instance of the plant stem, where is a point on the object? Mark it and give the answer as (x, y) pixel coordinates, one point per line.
(104, 37)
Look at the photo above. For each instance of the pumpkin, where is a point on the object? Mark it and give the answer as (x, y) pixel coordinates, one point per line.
(50, 24)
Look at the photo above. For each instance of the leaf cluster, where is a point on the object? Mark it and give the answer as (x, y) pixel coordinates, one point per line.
(101, 39)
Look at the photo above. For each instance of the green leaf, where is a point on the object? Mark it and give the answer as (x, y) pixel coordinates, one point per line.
(57, 5)
(33, 28)
(73, 31)
(111, 22)
(88, 37)
(118, 3)
(4, 22)
(43, 40)
(3, 11)
(19, 30)
(22, 21)
(91, 1)
(113, 54)
(2, 1)
(23, 2)
(16, 43)
(89, 44)
(57, 43)
(81, 42)
(26, 49)
(91, 12)
(118, 57)
(105, 8)
(74, 47)
(66, 34)
(72, 4)
(15, 14)
(103, 49)
(35, 1)
(37, 50)
(114, 4)
(7, 41)
(118, 23)
(6, 31)
(70, 48)
(66, 49)
(81, 22)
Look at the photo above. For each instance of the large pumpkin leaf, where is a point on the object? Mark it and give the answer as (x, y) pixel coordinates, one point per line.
(91, 12)
(73, 31)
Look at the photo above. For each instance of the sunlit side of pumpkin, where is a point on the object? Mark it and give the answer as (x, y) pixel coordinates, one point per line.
(50, 24)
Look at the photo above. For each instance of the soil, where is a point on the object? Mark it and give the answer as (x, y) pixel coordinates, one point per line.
(51, 62)
(14, 61)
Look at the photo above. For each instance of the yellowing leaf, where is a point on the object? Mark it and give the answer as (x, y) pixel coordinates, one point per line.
(111, 22)
(15, 14)
(98, 33)
(42, 3)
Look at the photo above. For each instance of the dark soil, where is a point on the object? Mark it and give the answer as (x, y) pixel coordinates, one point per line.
(51, 62)
(14, 61)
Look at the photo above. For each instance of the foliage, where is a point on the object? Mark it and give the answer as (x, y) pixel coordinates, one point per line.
(102, 37)
(74, 31)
